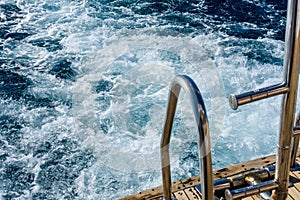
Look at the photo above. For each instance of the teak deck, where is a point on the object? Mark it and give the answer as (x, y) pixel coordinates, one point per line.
(185, 189)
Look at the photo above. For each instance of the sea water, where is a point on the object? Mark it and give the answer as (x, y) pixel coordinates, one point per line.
(84, 86)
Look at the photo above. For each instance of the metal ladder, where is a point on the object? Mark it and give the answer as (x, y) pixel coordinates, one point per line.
(289, 133)
(286, 149)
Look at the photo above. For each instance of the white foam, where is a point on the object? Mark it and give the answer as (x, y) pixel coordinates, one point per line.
(130, 154)
(152, 72)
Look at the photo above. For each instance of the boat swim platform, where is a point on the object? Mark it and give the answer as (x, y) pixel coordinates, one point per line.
(186, 189)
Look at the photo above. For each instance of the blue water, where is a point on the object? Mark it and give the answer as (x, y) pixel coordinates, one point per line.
(84, 86)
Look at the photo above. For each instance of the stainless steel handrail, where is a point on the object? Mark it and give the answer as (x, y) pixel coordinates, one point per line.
(291, 64)
(248, 97)
(200, 116)
(289, 88)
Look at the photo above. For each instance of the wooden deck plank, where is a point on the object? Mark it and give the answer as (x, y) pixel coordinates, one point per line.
(293, 192)
(248, 198)
(181, 195)
(295, 180)
(192, 193)
(186, 185)
(296, 174)
(255, 197)
(290, 198)
(154, 193)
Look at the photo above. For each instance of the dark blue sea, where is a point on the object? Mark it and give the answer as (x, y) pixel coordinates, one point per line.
(84, 87)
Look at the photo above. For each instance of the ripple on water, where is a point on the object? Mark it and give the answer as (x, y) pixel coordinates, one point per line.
(44, 46)
(13, 84)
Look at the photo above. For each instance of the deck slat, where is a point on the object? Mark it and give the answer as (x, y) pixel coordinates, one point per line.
(293, 192)
(289, 197)
(255, 197)
(248, 198)
(295, 179)
(181, 195)
(192, 193)
(185, 189)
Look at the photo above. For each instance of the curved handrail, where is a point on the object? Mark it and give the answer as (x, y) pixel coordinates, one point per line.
(194, 95)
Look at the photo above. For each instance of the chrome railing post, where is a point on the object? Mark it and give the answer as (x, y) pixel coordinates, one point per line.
(200, 116)
(291, 64)
(288, 88)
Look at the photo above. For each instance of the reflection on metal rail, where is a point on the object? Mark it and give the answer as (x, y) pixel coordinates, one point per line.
(200, 116)
(289, 88)
(257, 188)
(263, 93)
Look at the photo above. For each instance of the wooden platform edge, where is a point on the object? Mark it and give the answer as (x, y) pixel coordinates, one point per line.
(156, 193)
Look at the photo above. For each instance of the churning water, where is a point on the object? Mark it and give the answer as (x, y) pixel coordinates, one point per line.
(84, 88)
